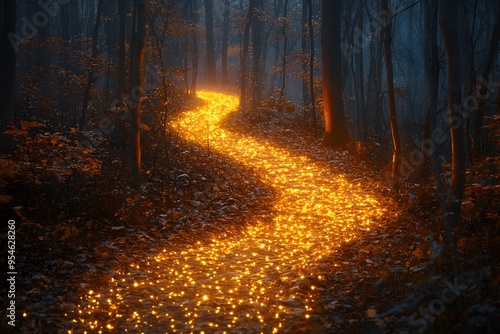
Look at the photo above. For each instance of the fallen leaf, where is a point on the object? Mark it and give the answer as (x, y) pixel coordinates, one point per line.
(371, 313)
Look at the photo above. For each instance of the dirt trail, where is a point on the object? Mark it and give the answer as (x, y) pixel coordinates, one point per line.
(268, 278)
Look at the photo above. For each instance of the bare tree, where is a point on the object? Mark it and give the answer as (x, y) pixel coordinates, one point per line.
(225, 43)
(431, 64)
(257, 32)
(209, 26)
(448, 22)
(244, 55)
(487, 70)
(336, 133)
(194, 19)
(139, 33)
(122, 76)
(396, 157)
(91, 73)
(285, 46)
(310, 30)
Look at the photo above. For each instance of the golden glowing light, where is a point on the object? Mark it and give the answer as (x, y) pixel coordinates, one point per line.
(264, 280)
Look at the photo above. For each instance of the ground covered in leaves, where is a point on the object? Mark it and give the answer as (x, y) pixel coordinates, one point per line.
(386, 276)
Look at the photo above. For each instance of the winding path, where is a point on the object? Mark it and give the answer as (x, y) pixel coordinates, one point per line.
(261, 282)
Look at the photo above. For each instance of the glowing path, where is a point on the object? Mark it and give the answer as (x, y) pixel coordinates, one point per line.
(261, 282)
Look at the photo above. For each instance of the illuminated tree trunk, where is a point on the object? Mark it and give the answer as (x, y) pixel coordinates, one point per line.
(225, 43)
(448, 22)
(390, 92)
(8, 17)
(336, 133)
(139, 33)
(209, 25)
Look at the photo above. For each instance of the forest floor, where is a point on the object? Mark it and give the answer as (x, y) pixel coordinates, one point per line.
(260, 229)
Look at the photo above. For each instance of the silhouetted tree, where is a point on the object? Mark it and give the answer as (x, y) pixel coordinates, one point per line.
(396, 156)
(257, 32)
(91, 72)
(8, 17)
(194, 19)
(244, 55)
(139, 33)
(209, 27)
(336, 133)
(225, 43)
(484, 93)
(122, 75)
(448, 22)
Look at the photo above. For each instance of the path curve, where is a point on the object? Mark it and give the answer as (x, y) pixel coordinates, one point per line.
(263, 282)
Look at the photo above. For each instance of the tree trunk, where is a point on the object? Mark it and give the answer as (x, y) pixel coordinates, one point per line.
(65, 23)
(75, 17)
(448, 23)
(122, 74)
(209, 26)
(390, 93)
(244, 56)
(91, 73)
(336, 133)
(194, 74)
(303, 49)
(112, 48)
(378, 124)
(431, 66)
(485, 91)
(8, 17)
(277, 5)
(139, 34)
(361, 73)
(374, 88)
(310, 29)
(257, 28)
(45, 52)
(225, 44)
(285, 47)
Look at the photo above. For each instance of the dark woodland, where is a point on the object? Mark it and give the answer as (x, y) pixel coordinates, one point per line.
(250, 166)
